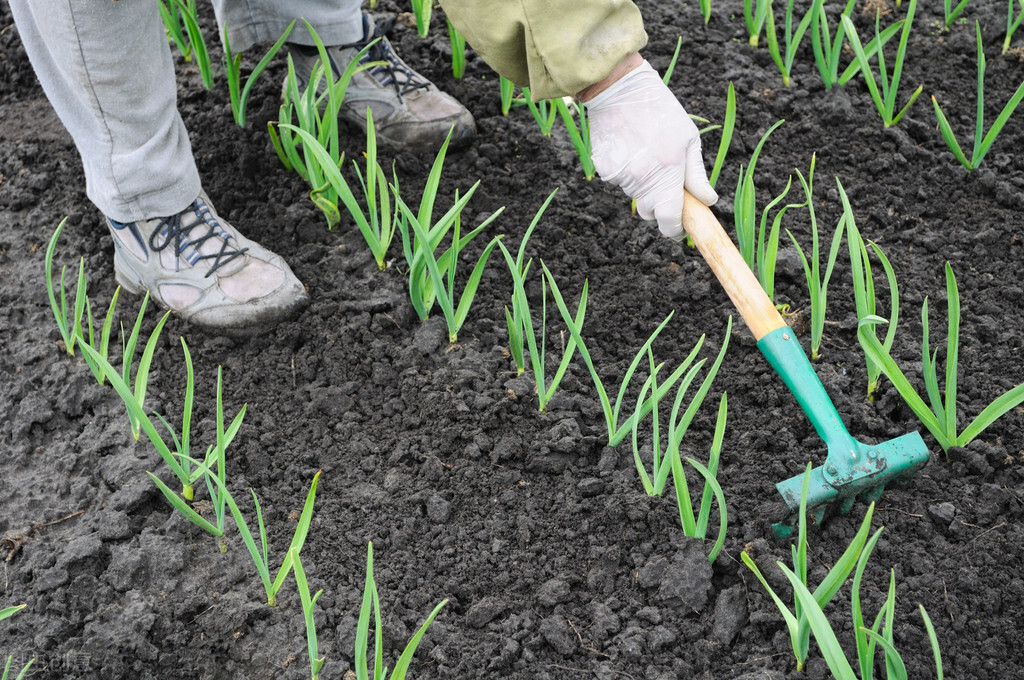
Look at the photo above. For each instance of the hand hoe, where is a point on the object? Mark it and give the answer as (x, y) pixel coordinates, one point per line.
(851, 467)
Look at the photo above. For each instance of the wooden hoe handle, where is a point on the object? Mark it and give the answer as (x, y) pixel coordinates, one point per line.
(732, 271)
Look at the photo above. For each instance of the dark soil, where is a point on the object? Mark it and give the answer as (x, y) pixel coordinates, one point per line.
(554, 562)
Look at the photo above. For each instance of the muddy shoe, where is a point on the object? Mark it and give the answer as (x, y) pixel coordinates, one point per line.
(408, 110)
(200, 267)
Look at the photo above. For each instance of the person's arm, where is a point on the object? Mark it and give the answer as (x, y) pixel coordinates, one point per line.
(625, 65)
(641, 138)
(555, 47)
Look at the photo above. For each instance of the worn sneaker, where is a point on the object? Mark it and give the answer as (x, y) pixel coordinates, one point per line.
(202, 269)
(408, 110)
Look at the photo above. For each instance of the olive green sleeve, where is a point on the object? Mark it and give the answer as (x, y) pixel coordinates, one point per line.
(556, 47)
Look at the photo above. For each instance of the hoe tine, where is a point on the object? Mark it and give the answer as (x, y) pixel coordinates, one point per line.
(846, 504)
(873, 494)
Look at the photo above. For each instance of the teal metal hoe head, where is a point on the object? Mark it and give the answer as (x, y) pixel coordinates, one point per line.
(854, 469)
(851, 468)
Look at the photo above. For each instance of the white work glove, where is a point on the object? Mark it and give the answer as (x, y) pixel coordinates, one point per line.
(644, 142)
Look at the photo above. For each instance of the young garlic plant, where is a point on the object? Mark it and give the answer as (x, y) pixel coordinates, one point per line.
(233, 70)
(432, 277)
(864, 289)
(181, 23)
(522, 331)
(371, 601)
(884, 96)
(617, 430)
(940, 413)
(982, 141)
(828, 48)
(71, 327)
(798, 621)
(315, 132)
(817, 284)
(4, 614)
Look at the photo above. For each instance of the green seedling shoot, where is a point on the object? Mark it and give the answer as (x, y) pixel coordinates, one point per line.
(950, 12)
(791, 38)
(145, 362)
(543, 112)
(833, 652)
(315, 111)
(755, 13)
(879, 635)
(371, 601)
(728, 125)
(259, 554)
(864, 288)
(745, 204)
(7, 613)
(170, 13)
(865, 637)
(521, 328)
(516, 319)
(828, 49)
(759, 244)
(672, 460)
(798, 621)
(233, 70)
(182, 444)
(697, 527)
(661, 463)
(427, 271)
(579, 134)
(982, 141)
(422, 9)
(444, 283)
(884, 97)
(377, 223)
(670, 69)
(316, 662)
(215, 455)
(705, 10)
(1012, 24)
(507, 89)
(176, 460)
(458, 43)
(939, 413)
(768, 239)
(71, 328)
(182, 14)
(817, 285)
(537, 349)
(617, 430)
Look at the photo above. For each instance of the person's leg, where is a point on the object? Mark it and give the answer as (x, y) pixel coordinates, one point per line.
(408, 110)
(249, 22)
(107, 71)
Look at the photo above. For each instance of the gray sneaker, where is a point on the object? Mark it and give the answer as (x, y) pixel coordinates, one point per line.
(200, 267)
(408, 110)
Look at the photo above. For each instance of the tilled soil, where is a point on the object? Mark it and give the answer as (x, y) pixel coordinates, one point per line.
(554, 562)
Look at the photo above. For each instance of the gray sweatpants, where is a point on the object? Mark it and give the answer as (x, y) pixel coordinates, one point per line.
(106, 68)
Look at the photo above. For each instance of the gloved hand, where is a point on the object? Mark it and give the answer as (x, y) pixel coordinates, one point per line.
(644, 142)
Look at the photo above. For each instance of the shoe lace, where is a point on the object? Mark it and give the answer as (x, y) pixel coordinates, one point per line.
(173, 230)
(394, 71)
